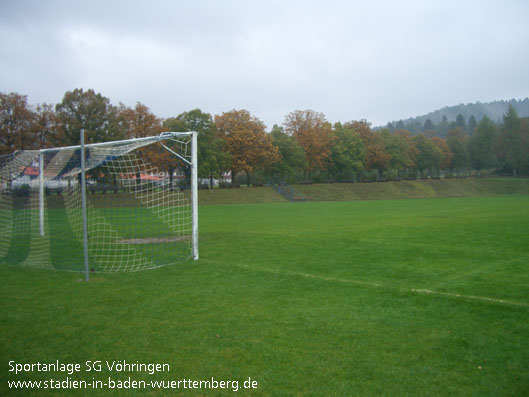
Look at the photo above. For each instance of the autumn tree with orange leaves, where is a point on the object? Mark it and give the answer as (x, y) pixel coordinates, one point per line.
(246, 141)
(447, 152)
(314, 134)
(46, 127)
(16, 123)
(23, 126)
(140, 122)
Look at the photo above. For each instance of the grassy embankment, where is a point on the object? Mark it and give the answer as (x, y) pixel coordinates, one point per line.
(469, 187)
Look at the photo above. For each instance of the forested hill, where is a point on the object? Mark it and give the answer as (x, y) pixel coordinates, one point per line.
(493, 110)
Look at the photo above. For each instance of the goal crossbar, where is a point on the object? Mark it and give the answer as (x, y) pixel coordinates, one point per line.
(140, 141)
(57, 165)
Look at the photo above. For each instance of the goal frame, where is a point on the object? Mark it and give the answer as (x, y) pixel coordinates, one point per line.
(151, 139)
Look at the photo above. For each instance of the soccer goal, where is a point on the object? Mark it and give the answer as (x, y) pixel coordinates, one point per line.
(127, 205)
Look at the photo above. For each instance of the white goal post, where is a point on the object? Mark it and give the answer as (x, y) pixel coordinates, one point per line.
(126, 203)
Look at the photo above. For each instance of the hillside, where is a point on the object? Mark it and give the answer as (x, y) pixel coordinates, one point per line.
(493, 110)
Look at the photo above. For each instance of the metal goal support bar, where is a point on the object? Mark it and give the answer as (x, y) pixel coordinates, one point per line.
(144, 140)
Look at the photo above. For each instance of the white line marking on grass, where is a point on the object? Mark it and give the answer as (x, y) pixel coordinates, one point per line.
(377, 285)
(474, 297)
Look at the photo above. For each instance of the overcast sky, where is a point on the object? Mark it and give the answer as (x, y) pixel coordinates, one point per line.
(374, 60)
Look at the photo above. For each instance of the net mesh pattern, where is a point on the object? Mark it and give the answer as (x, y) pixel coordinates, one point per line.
(139, 216)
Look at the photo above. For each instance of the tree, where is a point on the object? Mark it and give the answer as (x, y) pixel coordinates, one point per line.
(314, 134)
(292, 155)
(428, 126)
(472, 124)
(457, 141)
(46, 126)
(246, 141)
(398, 145)
(347, 153)
(443, 126)
(17, 123)
(91, 111)
(524, 132)
(429, 156)
(412, 151)
(140, 122)
(376, 156)
(460, 122)
(480, 146)
(511, 120)
(445, 150)
(509, 147)
(430, 133)
(211, 151)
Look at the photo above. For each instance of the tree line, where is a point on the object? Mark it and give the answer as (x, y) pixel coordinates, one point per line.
(463, 115)
(305, 148)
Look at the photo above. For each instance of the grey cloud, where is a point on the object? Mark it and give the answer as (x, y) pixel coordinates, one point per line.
(379, 60)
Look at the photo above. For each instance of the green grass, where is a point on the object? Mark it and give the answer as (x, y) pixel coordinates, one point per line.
(307, 299)
(62, 245)
(239, 196)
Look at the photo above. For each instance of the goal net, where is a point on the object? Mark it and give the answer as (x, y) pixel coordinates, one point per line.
(140, 205)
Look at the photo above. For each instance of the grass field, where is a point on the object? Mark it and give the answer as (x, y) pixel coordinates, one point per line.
(402, 297)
